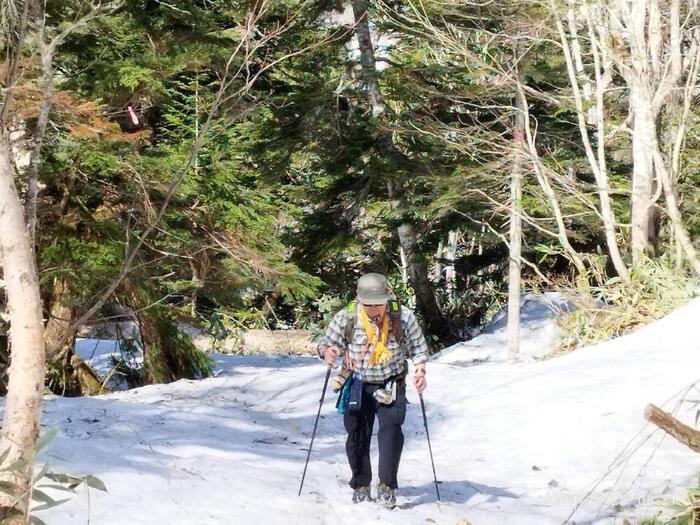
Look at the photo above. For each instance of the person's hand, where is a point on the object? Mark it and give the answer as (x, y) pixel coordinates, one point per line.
(330, 353)
(419, 380)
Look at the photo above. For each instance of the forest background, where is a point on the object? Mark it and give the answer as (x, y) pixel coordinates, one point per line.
(237, 165)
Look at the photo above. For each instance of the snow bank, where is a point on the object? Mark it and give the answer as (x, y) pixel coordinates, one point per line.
(539, 332)
(521, 443)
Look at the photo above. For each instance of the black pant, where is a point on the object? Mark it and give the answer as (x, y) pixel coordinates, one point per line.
(359, 426)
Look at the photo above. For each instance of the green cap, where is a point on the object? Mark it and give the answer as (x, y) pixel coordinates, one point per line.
(372, 288)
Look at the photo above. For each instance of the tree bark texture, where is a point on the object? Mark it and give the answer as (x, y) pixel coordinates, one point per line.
(515, 240)
(27, 359)
(643, 235)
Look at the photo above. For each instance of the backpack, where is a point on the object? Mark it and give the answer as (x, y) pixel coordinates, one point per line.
(395, 324)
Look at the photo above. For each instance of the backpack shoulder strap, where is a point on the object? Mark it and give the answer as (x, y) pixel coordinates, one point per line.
(395, 317)
(351, 315)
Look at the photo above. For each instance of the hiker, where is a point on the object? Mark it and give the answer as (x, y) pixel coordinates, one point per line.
(375, 335)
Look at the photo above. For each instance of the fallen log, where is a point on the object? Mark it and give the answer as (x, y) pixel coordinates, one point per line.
(689, 436)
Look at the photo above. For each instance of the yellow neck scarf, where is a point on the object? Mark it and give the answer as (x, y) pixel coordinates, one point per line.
(380, 353)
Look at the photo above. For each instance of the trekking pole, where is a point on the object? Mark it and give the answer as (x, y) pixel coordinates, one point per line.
(427, 434)
(313, 434)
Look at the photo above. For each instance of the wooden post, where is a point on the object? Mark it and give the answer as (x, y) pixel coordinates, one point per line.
(689, 436)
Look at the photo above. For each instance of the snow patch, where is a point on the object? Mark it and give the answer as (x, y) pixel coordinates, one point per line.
(539, 332)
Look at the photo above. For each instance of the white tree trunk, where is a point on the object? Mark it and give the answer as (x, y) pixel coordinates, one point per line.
(515, 245)
(514, 268)
(27, 362)
(404, 276)
(643, 176)
(437, 266)
(450, 273)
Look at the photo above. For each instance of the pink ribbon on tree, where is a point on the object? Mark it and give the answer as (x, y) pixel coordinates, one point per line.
(133, 116)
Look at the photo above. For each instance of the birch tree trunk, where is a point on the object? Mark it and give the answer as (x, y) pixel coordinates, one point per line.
(450, 274)
(437, 266)
(515, 246)
(643, 174)
(404, 266)
(638, 70)
(27, 362)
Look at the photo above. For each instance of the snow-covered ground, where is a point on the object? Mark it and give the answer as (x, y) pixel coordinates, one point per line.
(514, 442)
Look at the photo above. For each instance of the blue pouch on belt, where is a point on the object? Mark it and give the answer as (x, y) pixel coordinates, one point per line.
(344, 396)
(355, 398)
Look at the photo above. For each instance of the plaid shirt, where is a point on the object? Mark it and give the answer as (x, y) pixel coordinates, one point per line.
(414, 345)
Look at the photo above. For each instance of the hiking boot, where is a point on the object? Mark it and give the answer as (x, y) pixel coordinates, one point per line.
(385, 495)
(361, 494)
